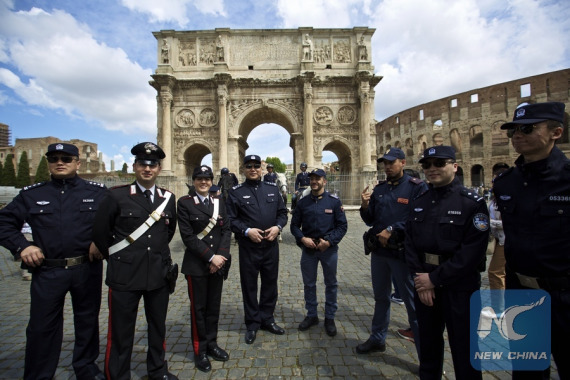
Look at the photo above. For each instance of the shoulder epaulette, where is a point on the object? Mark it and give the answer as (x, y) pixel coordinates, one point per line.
(504, 174)
(270, 183)
(237, 186)
(94, 183)
(471, 195)
(380, 183)
(334, 196)
(119, 186)
(185, 197)
(165, 189)
(416, 181)
(35, 185)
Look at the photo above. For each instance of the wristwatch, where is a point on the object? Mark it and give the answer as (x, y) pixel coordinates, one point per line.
(389, 229)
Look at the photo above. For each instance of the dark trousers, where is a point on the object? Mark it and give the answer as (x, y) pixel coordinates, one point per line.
(45, 328)
(560, 332)
(205, 293)
(450, 310)
(259, 260)
(123, 308)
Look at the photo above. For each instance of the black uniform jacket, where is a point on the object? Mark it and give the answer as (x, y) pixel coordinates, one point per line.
(142, 265)
(193, 217)
(51, 208)
(534, 201)
(451, 221)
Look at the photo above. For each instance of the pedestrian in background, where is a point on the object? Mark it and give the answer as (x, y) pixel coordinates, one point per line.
(132, 229)
(446, 239)
(257, 215)
(62, 259)
(205, 231)
(386, 210)
(496, 271)
(318, 225)
(533, 198)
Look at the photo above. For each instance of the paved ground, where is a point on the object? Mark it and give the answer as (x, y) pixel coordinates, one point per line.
(296, 355)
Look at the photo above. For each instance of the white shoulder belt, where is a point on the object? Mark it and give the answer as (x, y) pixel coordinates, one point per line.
(213, 220)
(152, 218)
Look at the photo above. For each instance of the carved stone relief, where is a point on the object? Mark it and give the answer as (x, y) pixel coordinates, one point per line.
(185, 119)
(322, 51)
(187, 53)
(323, 115)
(342, 50)
(207, 51)
(239, 106)
(346, 115)
(208, 117)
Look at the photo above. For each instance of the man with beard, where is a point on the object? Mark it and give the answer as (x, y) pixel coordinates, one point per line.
(387, 210)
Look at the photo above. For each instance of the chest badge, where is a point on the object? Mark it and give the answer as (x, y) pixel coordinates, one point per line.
(42, 203)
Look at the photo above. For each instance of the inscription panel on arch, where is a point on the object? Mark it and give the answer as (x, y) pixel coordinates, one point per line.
(248, 50)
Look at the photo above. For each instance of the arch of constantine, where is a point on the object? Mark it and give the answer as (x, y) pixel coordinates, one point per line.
(471, 121)
(215, 86)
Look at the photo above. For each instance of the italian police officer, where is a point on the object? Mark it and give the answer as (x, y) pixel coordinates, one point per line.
(63, 259)
(257, 214)
(534, 200)
(132, 229)
(318, 225)
(302, 181)
(270, 176)
(445, 244)
(205, 231)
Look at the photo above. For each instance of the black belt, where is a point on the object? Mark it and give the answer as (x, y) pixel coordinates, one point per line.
(67, 262)
(546, 283)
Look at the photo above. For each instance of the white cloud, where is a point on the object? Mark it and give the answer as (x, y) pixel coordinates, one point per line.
(174, 10)
(61, 66)
(322, 13)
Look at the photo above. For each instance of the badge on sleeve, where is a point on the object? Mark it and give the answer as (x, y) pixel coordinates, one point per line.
(481, 222)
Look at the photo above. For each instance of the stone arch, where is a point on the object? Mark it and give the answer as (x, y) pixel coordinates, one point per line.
(499, 139)
(437, 139)
(477, 175)
(261, 113)
(455, 139)
(409, 147)
(341, 147)
(476, 141)
(192, 154)
(422, 144)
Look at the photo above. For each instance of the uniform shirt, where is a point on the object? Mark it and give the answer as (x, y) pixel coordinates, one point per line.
(534, 201)
(319, 217)
(390, 205)
(255, 204)
(454, 222)
(60, 212)
(302, 180)
(270, 177)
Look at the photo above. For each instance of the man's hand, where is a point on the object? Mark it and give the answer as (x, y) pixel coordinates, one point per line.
(422, 282)
(383, 237)
(255, 235)
(217, 263)
(308, 242)
(271, 233)
(32, 256)
(94, 253)
(427, 297)
(323, 245)
(365, 198)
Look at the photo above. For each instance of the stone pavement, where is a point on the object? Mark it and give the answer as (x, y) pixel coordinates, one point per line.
(296, 355)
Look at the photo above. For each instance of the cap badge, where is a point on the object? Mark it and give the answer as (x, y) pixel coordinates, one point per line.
(252, 158)
(388, 151)
(204, 169)
(520, 112)
(431, 151)
(58, 147)
(149, 147)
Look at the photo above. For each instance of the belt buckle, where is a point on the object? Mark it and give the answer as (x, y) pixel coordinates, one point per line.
(72, 261)
(529, 282)
(155, 215)
(432, 259)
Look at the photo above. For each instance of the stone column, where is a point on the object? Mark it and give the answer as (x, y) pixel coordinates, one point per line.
(222, 119)
(308, 124)
(365, 108)
(166, 98)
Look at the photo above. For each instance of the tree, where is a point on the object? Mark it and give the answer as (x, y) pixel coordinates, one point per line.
(23, 178)
(1, 170)
(278, 166)
(42, 172)
(9, 173)
(125, 168)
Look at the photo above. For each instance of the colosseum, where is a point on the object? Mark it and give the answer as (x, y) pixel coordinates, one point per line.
(470, 122)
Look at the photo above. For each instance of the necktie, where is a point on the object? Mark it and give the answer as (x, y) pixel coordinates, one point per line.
(147, 194)
(206, 202)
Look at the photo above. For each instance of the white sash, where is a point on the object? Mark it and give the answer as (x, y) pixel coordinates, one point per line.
(213, 220)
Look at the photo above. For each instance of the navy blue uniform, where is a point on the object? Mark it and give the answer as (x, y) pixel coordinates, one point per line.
(534, 201)
(449, 227)
(270, 177)
(302, 181)
(390, 206)
(257, 204)
(319, 217)
(61, 214)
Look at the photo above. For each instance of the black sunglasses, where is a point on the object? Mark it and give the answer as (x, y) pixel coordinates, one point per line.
(257, 166)
(524, 128)
(64, 159)
(437, 163)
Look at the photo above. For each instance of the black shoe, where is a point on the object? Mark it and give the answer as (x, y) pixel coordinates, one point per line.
(218, 354)
(370, 346)
(250, 336)
(273, 328)
(330, 327)
(169, 376)
(202, 362)
(308, 322)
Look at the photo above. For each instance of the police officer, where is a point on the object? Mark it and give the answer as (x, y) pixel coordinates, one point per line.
(446, 240)
(205, 232)
(387, 210)
(135, 245)
(318, 225)
(257, 214)
(271, 176)
(62, 259)
(226, 182)
(534, 200)
(301, 183)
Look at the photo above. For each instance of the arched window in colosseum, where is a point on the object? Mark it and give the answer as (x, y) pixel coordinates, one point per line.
(476, 141)
(398, 144)
(387, 136)
(477, 176)
(409, 148)
(437, 139)
(422, 143)
(499, 139)
(438, 125)
(455, 139)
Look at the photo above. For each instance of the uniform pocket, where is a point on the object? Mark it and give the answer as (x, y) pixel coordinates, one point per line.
(121, 267)
(41, 217)
(451, 228)
(555, 218)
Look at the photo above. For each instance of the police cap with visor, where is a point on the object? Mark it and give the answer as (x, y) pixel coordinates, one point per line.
(69, 149)
(536, 113)
(439, 151)
(203, 171)
(148, 153)
(392, 154)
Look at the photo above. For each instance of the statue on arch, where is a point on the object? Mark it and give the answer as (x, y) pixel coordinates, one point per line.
(307, 49)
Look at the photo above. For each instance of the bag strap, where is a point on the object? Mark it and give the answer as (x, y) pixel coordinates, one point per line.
(153, 218)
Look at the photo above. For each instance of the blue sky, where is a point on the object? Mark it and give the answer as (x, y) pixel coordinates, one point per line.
(80, 69)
